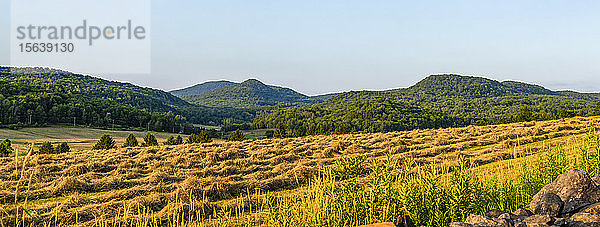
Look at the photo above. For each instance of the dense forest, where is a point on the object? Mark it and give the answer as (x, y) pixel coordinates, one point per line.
(33, 105)
(86, 91)
(374, 115)
(437, 101)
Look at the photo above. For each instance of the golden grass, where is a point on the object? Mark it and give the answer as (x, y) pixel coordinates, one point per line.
(207, 179)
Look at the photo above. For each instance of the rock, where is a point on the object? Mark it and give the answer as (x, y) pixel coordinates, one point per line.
(519, 224)
(593, 209)
(508, 216)
(384, 224)
(596, 180)
(404, 221)
(560, 222)
(460, 224)
(503, 222)
(494, 213)
(586, 219)
(480, 220)
(575, 188)
(549, 204)
(538, 220)
(523, 213)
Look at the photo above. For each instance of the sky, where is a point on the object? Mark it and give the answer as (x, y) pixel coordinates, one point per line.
(324, 46)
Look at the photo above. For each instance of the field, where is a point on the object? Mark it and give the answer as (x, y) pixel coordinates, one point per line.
(79, 138)
(227, 183)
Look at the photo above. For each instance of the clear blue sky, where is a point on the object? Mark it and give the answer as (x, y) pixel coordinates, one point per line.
(328, 46)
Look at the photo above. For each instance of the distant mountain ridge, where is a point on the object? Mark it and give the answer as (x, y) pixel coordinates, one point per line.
(199, 89)
(251, 94)
(436, 101)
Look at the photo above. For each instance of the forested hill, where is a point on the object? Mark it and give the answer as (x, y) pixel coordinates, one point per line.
(151, 100)
(81, 87)
(466, 99)
(199, 89)
(252, 94)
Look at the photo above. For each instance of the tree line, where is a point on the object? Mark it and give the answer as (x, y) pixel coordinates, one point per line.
(384, 115)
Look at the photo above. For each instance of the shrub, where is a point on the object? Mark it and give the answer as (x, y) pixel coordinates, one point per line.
(5, 148)
(46, 148)
(106, 142)
(149, 140)
(62, 148)
(203, 137)
(269, 134)
(174, 140)
(237, 135)
(130, 141)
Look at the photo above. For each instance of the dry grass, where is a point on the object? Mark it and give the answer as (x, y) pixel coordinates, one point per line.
(204, 179)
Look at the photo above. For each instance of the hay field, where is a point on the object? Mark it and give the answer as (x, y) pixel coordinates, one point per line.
(84, 186)
(79, 138)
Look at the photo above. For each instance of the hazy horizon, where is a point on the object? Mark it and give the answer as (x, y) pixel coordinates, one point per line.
(317, 47)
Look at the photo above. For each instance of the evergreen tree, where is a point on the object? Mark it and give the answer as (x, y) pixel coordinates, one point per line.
(46, 148)
(269, 134)
(173, 140)
(5, 148)
(597, 109)
(149, 140)
(62, 148)
(178, 140)
(203, 137)
(237, 135)
(106, 142)
(130, 141)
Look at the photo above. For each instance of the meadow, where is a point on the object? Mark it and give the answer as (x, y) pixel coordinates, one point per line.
(78, 138)
(435, 176)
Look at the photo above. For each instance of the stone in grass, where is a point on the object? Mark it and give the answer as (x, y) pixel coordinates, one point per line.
(479, 220)
(596, 180)
(460, 224)
(523, 213)
(384, 224)
(584, 219)
(494, 213)
(593, 209)
(404, 221)
(575, 188)
(549, 204)
(538, 220)
(508, 216)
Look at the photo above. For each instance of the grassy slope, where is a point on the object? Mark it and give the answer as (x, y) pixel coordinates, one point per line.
(216, 174)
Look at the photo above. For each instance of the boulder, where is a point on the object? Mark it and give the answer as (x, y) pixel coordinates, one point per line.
(404, 221)
(549, 204)
(494, 213)
(523, 213)
(460, 224)
(584, 219)
(593, 209)
(539, 220)
(384, 224)
(508, 216)
(575, 188)
(596, 180)
(479, 220)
